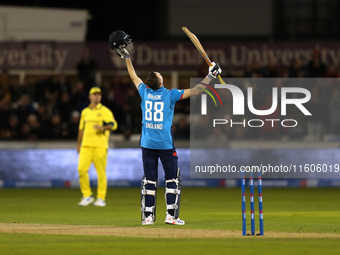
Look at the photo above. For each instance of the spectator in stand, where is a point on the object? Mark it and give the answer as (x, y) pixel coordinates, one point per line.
(5, 113)
(24, 108)
(130, 115)
(254, 70)
(65, 133)
(43, 84)
(64, 107)
(119, 87)
(134, 100)
(298, 69)
(74, 125)
(79, 97)
(13, 129)
(52, 95)
(270, 69)
(332, 72)
(108, 94)
(34, 126)
(44, 120)
(284, 72)
(26, 87)
(126, 124)
(55, 127)
(62, 84)
(316, 66)
(25, 132)
(29, 130)
(86, 69)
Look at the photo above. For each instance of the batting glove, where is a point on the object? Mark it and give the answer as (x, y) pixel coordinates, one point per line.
(214, 70)
(123, 53)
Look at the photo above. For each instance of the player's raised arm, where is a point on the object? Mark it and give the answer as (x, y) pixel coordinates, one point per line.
(120, 42)
(135, 79)
(214, 71)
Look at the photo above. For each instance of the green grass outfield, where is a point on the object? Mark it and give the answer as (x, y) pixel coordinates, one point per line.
(296, 221)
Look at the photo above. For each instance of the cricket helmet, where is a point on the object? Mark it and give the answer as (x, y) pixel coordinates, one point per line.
(119, 39)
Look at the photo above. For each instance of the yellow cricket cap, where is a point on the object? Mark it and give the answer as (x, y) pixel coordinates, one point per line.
(95, 90)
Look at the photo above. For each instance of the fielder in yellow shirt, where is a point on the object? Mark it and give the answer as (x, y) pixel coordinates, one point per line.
(95, 126)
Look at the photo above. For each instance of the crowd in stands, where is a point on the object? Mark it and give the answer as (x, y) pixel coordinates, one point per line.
(49, 107)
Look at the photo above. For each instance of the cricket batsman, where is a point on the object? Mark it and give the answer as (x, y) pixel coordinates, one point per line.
(95, 126)
(157, 105)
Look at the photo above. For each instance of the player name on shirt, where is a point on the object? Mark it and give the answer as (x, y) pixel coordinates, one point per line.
(157, 111)
(154, 97)
(153, 126)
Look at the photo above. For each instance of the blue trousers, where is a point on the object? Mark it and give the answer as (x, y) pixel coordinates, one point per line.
(169, 160)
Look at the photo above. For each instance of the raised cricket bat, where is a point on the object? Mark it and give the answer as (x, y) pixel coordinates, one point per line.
(200, 48)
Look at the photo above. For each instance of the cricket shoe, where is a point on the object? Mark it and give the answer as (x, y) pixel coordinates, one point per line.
(100, 202)
(85, 201)
(169, 219)
(148, 220)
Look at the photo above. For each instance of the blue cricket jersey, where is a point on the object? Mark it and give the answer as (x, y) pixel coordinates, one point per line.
(158, 112)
